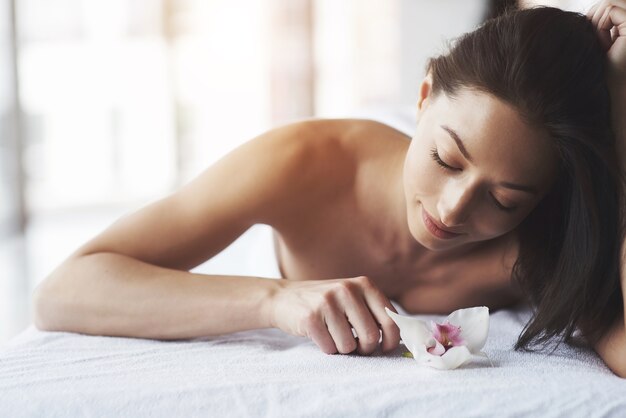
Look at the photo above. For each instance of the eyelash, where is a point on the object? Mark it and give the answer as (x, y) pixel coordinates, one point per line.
(435, 155)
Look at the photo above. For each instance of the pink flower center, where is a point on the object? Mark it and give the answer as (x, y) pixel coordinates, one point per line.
(446, 336)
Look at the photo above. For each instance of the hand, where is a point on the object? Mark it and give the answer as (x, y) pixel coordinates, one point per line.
(325, 311)
(609, 19)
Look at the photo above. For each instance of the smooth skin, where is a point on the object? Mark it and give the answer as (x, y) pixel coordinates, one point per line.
(345, 198)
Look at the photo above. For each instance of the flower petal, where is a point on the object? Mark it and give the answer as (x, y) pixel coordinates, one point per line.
(474, 323)
(452, 359)
(435, 329)
(418, 338)
(414, 333)
(437, 350)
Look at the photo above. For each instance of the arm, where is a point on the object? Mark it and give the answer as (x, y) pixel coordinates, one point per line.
(132, 279)
(113, 294)
(607, 16)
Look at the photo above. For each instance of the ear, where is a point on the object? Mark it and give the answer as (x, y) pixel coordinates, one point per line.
(425, 93)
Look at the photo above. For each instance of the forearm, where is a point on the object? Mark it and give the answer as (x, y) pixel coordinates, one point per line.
(112, 294)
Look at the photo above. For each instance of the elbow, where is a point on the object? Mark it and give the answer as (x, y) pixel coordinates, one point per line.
(618, 369)
(47, 307)
(61, 302)
(43, 308)
(611, 348)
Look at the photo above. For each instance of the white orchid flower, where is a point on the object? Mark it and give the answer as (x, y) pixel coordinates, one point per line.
(448, 345)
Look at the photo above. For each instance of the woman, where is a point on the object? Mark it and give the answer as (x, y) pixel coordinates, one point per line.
(508, 190)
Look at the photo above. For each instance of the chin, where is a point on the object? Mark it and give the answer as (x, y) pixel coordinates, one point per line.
(435, 244)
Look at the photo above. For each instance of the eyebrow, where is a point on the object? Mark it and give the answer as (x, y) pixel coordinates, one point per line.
(459, 143)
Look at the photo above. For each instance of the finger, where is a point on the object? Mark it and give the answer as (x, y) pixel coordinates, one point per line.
(341, 332)
(612, 26)
(390, 331)
(604, 32)
(597, 14)
(592, 10)
(318, 332)
(599, 10)
(376, 302)
(615, 17)
(364, 325)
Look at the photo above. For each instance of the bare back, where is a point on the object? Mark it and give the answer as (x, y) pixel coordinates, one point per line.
(345, 233)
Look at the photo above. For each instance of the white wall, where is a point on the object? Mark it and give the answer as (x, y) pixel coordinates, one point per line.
(425, 26)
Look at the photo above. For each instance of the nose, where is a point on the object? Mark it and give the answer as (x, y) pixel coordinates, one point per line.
(454, 203)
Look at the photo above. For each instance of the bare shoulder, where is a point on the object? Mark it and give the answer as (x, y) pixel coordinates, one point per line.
(338, 150)
(327, 153)
(277, 178)
(345, 133)
(366, 135)
(283, 169)
(313, 163)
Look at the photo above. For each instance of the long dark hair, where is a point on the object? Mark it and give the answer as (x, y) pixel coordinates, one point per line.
(549, 64)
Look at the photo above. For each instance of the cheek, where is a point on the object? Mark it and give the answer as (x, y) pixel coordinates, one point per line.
(421, 176)
(490, 224)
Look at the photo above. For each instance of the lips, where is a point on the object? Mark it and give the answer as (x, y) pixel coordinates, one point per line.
(434, 228)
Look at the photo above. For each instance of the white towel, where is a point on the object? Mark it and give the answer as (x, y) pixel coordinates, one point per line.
(270, 373)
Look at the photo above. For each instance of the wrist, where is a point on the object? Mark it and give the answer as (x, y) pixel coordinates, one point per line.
(267, 311)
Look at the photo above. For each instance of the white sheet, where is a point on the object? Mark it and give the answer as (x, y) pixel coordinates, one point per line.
(270, 373)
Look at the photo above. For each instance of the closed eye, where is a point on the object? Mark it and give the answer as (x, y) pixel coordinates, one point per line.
(435, 156)
(501, 206)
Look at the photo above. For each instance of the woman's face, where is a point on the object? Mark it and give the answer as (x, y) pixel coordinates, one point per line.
(474, 170)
